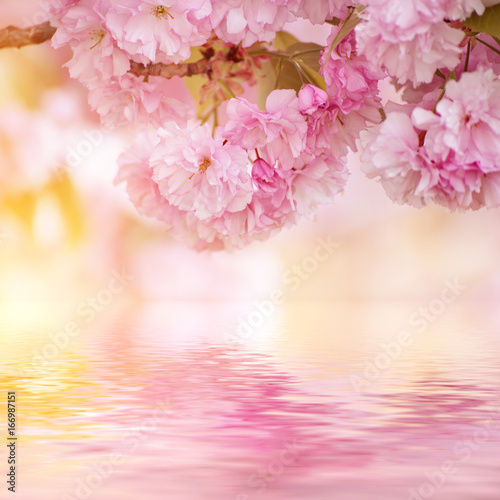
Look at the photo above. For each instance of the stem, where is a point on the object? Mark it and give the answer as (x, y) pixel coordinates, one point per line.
(467, 56)
(439, 98)
(216, 121)
(440, 74)
(168, 71)
(488, 45)
(334, 22)
(19, 37)
(312, 51)
(300, 72)
(268, 53)
(279, 68)
(225, 86)
(451, 76)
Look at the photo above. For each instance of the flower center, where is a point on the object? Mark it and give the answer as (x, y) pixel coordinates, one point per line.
(160, 11)
(97, 36)
(205, 163)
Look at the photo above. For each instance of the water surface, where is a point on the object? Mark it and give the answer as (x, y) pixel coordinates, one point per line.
(168, 401)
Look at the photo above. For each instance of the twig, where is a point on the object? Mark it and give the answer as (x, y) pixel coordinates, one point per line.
(19, 37)
(168, 71)
(488, 45)
(13, 36)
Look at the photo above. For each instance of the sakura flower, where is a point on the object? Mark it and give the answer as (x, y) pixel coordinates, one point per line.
(271, 208)
(312, 98)
(317, 182)
(281, 128)
(317, 12)
(200, 174)
(273, 196)
(322, 122)
(131, 101)
(96, 56)
(160, 30)
(411, 173)
(134, 169)
(409, 39)
(391, 154)
(329, 130)
(350, 82)
(462, 9)
(265, 176)
(56, 8)
(249, 21)
(467, 120)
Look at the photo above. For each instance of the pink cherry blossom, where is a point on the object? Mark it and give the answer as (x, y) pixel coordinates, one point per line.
(312, 98)
(198, 173)
(268, 212)
(281, 128)
(317, 182)
(272, 206)
(467, 120)
(317, 12)
(391, 154)
(350, 82)
(96, 56)
(462, 9)
(160, 31)
(131, 101)
(273, 195)
(411, 173)
(57, 8)
(409, 39)
(248, 21)
(134, 169)
(329, 130)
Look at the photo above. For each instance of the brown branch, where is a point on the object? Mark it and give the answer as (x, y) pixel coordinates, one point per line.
(199, 67)
(19, 37)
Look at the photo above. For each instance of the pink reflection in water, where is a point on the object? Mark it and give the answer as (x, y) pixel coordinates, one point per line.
(201, 420)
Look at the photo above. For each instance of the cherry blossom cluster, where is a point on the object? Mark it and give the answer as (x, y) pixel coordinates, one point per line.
(225, 172)
(441, 143)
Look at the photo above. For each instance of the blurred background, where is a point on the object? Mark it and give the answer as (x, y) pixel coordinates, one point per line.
(64, 224)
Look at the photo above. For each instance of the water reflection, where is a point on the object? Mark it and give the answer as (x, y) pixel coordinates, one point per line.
(158, 404)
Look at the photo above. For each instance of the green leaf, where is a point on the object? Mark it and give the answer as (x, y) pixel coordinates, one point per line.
(284, 40)
(312, 75)
(488, 23)
(309, 53)
(284, 72)
(288, 79)
(349, 24)
(265, 84)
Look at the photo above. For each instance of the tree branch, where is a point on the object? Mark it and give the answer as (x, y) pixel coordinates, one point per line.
(199, 67)
(19, 37)
(13, 36)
